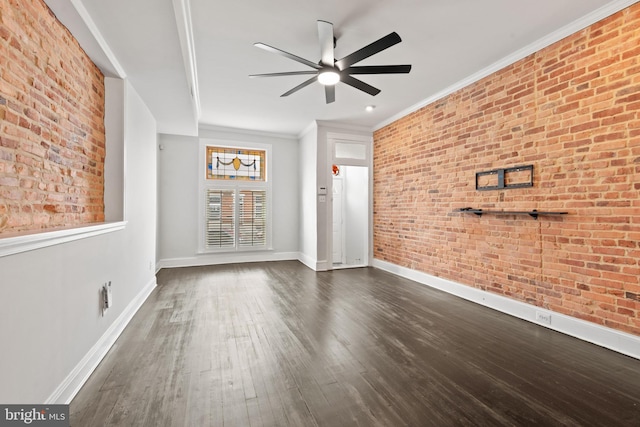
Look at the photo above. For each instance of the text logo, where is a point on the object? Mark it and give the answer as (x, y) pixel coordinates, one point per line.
(34, 415)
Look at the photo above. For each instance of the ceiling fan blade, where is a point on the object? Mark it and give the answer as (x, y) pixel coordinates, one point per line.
(371, 49)
(330, 93)
(288, 73)
(300, 86)
(379, 69)
(359, 84)
(287, 55)
(325, 35)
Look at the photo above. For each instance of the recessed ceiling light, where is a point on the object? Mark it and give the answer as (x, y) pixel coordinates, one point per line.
(370, 108)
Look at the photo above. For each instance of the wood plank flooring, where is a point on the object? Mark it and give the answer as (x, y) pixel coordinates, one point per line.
(277, 344)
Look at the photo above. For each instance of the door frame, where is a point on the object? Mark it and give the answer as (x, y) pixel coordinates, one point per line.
(367, 161)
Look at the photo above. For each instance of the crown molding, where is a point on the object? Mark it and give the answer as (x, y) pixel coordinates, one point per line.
(73, 15)
(205, 128)
(182, 11)
(572, 28)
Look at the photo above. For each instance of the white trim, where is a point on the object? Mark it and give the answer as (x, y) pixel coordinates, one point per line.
(310, 127)
(323, 265)
(67, 390)
(367, 141)
(73, 15)
(35, 240)
(182, 11)
(308, 261)
(227, 258)
(344, 127)
(313, 264)
(605, 337)
(97, 35)
(244, 133)
(572, 28)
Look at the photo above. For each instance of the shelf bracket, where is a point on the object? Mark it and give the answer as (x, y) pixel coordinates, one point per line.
(534, 213)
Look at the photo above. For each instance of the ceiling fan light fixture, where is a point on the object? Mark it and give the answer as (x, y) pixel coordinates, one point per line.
(329, 72)
(328, 77)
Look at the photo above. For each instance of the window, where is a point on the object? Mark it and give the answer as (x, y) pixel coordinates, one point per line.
(252, 218)
(220, 219)
(236, 199)
(347, 150)
(227, 163)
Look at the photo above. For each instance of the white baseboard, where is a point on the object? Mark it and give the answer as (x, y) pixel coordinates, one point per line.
(307, 260)
(314, 264)
(227, 258)
(596, 334)
(66, 391)
(322, 265)
(235, 258)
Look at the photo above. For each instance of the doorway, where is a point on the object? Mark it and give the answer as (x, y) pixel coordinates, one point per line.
(350, 209)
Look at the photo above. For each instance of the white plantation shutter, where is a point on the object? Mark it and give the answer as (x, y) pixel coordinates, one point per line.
(252, 218)
(220, 219)
(231, 225)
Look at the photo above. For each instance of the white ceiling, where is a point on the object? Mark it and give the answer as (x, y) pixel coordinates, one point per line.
(190, 59)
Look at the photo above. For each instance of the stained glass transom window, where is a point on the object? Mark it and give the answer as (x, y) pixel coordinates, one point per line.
(235, 164)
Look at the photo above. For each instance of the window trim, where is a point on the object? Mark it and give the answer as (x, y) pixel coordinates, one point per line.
(204, 184)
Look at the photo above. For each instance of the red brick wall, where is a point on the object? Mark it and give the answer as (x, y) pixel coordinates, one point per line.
(52, 141)
(573, 111)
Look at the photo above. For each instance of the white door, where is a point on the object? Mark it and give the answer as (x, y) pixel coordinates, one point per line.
(355, 215)
(338, 242)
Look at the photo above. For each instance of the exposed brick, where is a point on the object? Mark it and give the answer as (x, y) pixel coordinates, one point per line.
(571, 110)
(50, 90)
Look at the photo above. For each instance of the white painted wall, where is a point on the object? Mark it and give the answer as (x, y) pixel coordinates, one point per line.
(177, 197)
(308, 155)
(316, 250)
(114, 119)
(49, 297)
(178, 169)
(140, 187)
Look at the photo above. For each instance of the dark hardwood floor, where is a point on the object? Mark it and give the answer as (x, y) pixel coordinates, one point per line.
(276, 344)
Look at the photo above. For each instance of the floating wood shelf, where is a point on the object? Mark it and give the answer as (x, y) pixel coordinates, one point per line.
(532, 213)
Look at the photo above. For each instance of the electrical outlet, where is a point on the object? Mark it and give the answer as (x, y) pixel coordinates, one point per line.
(543, 318)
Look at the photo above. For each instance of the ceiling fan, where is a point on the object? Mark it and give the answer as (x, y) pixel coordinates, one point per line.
(330, 71)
